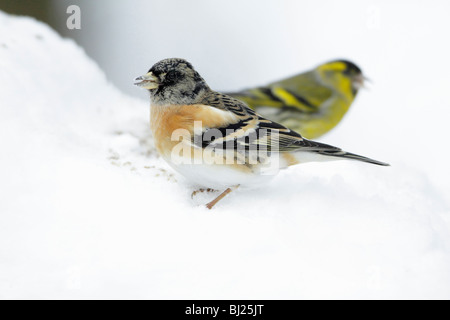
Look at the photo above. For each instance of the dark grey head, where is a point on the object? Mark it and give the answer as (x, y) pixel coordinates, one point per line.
(173, 82)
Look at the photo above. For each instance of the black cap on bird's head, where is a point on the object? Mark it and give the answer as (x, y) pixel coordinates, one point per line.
(173, 81)
(350, 68)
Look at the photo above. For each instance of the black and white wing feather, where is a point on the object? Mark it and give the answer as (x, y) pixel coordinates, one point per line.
(253, 132)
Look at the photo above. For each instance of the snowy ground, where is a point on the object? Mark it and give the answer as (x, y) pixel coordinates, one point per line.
(90, 211)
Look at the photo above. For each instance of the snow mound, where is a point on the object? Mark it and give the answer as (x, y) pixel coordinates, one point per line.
(90, 211)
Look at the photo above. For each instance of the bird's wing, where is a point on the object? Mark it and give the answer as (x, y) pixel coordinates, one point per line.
(227, 103)
(250, 130)
(302, 93)
(245, 132)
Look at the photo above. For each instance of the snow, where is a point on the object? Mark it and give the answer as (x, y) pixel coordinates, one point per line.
(90, 211)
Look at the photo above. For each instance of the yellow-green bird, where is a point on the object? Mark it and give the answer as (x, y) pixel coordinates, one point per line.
(312, 102)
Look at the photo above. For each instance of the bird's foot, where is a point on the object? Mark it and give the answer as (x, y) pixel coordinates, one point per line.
(221, 196)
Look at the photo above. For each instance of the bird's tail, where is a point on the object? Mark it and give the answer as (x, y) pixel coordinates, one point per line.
(352, 156)
(316, 151)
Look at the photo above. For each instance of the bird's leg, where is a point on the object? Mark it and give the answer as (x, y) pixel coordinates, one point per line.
(201, 190)
(221, 196)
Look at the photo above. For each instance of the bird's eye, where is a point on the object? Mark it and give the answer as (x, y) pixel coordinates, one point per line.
(171, 75)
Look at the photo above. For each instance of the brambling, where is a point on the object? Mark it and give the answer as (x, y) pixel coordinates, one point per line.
(216, 140)
(312, 102)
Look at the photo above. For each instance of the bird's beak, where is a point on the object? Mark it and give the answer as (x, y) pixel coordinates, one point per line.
(147, 81)
(360, 81)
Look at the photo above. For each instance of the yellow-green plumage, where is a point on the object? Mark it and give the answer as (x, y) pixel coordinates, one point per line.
(311, 103)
